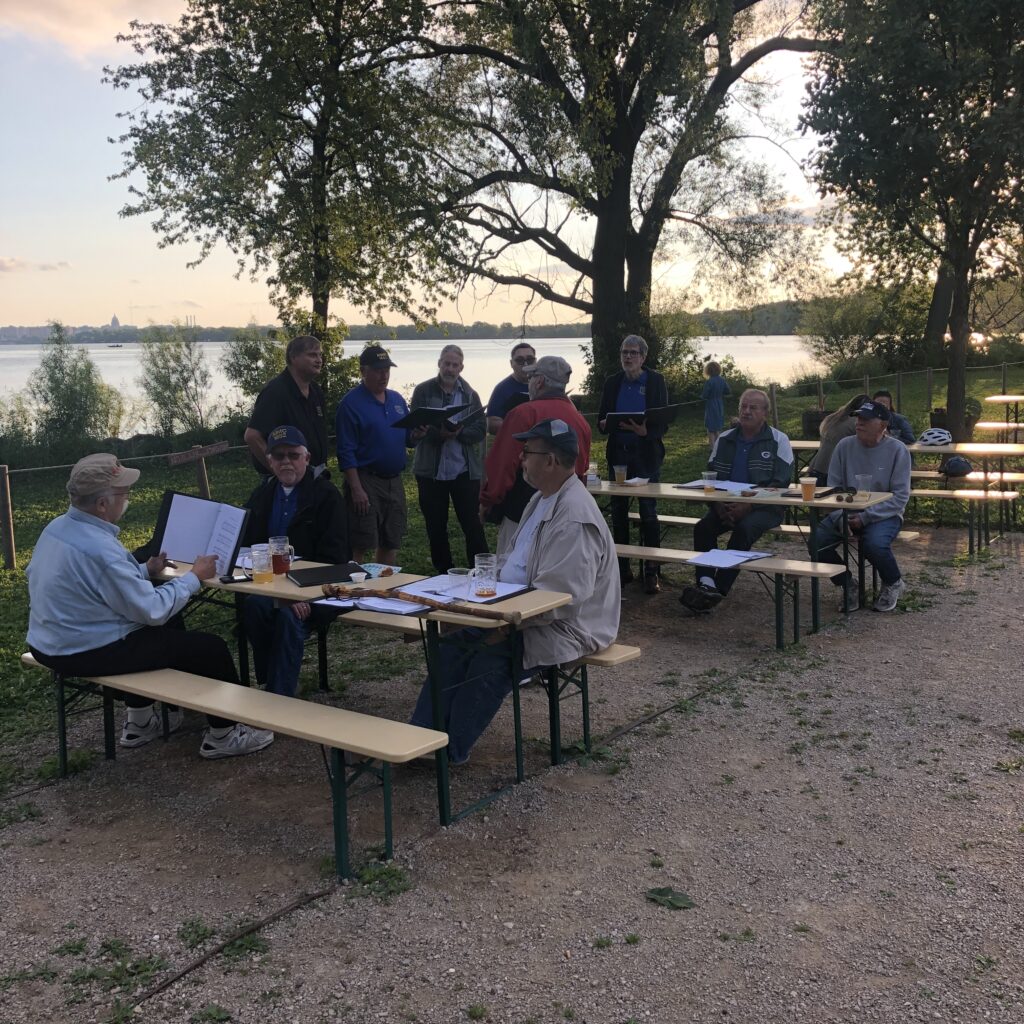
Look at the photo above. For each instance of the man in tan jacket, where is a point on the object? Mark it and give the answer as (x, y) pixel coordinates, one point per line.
(562, 544)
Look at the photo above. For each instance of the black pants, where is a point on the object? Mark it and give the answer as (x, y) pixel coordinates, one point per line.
(744, 535)
(464, 495)
(650, 530)
(151, 647)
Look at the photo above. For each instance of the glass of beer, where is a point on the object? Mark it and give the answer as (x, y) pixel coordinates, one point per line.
(807, 486)
(485, 576)
(620, 474)
(281, 554)
(262, 564)
(863, 484)
(709, 479)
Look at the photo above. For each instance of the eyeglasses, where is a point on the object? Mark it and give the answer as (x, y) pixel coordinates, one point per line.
(524, 360)
(286, 456)
(526, 451)
(630, 352)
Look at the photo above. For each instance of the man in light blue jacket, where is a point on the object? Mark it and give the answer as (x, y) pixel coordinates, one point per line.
(93, 609)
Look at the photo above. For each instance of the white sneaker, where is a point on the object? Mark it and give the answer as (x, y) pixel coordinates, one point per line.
(133, 735)
(849, 597)
(889, 595)
(242, 739)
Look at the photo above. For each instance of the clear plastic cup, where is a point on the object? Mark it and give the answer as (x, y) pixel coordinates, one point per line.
(709, 477)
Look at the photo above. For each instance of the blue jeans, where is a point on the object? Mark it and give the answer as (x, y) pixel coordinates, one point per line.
(277, 637)
(875, 544)
(475, 680)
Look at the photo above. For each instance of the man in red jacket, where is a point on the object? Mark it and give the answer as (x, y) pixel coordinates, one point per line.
(505, 493)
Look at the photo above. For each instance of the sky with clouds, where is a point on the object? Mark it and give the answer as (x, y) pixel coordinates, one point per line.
(65, 254)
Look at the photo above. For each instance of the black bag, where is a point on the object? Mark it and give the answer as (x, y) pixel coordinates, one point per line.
(957, 466)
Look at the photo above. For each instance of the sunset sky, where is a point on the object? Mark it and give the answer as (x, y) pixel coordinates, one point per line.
(65, 254)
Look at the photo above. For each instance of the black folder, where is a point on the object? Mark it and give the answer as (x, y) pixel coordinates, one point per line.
(428, 417)
(321, 574)
(660, 415)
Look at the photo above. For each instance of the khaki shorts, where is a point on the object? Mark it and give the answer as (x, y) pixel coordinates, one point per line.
(385, 524)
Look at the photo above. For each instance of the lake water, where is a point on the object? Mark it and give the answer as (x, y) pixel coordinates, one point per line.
(774, 357)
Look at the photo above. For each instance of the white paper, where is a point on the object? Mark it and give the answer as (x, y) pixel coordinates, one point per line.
(336, 602)
(197, 527)
(440, 588)
(390, 605)
(727, 559)
(729, 486)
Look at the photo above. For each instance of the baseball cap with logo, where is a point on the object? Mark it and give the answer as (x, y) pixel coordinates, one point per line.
(97, 473)
(554, 368)
(872, 411)
(375, 357)
(556, 432)
(291, 436)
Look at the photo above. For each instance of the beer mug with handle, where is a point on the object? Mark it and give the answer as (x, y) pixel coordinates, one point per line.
(484, 577)
(282, 554)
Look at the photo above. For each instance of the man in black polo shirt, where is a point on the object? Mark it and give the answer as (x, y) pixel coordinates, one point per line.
(294, 397)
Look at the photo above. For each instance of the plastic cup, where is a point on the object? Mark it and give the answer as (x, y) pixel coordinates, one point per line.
(458, 582)
(357, 577)
(709, 479)
(485, 576)
(807, 487)
(863, 484)
(620, 474)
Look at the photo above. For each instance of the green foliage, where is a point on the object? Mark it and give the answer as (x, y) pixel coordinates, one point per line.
(245, 946)
(175, 378)
(72, 404)
(24, 811)
(264, 126)
(854, 329)
(194, 931)
(78, 761)
(210, 1013)
(671, 899)
(251, 358)
(383, 881)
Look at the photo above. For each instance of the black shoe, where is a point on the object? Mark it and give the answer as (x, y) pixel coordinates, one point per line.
(701, 598)
(651, 584)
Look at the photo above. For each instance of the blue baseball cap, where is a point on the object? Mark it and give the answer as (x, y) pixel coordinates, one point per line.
(872, 411)
(286, 435)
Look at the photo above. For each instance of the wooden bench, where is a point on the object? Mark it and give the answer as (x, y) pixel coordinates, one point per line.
(376, 739)
(786, 529)
(778, 568)
(976, 476)
(977, 525)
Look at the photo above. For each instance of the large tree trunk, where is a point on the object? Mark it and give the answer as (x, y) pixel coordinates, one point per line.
(938, 315)
(639, 264)
(960, 331)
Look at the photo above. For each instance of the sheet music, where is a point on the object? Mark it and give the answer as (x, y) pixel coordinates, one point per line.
(197, 527)
(727, 559)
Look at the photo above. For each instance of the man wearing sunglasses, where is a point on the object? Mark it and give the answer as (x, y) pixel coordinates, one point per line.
(310, 511)
(514, 389)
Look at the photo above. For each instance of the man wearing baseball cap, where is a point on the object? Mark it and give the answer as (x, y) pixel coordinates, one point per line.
(505, 493)
(93, 609)
(562, 543)
(885, 462)
(310, 511)
(371, 455)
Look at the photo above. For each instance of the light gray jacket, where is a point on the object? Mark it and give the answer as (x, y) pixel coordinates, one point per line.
(572, 552)
(888, 465)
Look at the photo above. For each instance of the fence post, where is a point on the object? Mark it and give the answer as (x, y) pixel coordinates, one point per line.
(6, 519)
(867, 385)
(774, 404)
(201, 478)
(1003, 385)
(899, 391)
(821, 396)
(928, 380)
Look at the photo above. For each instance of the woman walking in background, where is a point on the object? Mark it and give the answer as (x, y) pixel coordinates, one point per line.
(833, 428)
(714, 391)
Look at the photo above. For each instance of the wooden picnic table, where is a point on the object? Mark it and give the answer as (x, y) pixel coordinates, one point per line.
(1008, 400)
(522, 606)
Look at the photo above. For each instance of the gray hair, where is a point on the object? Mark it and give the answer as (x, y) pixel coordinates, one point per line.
(563, 458)
(635, 339)
(452, 348)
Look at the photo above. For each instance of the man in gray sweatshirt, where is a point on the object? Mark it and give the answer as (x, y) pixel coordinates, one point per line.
(870, 452)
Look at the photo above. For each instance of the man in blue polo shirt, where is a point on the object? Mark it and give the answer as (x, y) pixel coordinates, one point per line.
(514, 389)
(371, 454)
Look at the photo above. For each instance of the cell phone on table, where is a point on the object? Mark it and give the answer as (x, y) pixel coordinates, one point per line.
(233, 579)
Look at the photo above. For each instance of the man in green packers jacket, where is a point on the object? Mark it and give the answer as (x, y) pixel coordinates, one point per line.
(753, 453)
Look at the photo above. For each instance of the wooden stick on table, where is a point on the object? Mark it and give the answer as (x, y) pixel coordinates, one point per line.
(462, 608)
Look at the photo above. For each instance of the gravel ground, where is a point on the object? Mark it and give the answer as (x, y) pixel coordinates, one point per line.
(834, 812)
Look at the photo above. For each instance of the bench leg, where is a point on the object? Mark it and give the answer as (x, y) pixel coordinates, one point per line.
(554, 714)
(444, 801)
(242, 639)
(796, 609)
(389, 839)
(109, 747)
(339, 800)
(584, 685)
(62, 726)
(780, 617)
(517, 722)
(321, 657)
